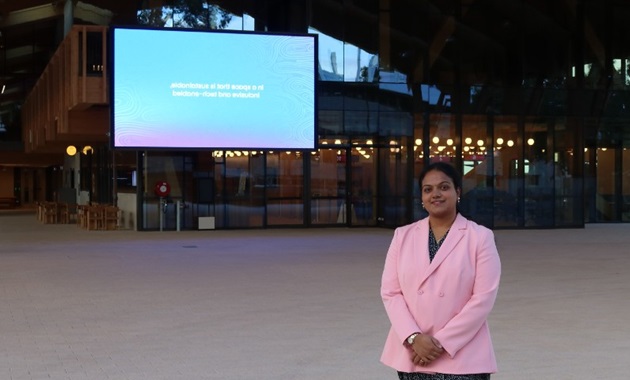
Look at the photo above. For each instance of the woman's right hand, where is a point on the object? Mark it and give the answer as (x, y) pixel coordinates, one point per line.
(426, 349)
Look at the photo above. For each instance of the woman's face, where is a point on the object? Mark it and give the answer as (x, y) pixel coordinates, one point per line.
(439, 195)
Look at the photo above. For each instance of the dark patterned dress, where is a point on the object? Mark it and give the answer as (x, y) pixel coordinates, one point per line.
(434, 245)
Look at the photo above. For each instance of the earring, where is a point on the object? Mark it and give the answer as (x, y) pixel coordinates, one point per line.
(458, 199)
(423, 205)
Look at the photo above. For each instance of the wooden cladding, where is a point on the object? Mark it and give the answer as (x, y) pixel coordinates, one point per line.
(69, 104)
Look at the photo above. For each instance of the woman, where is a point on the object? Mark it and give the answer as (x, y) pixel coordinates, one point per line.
(439, 285)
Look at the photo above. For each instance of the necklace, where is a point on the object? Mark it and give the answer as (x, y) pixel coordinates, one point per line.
(435, 244)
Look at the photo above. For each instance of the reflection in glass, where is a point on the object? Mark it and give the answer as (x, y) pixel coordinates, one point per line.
(625, 185)
(506, 178)
(242, 202)
(394, 178)
(477, 174)
(538, 175)
(363, 191)
(606, 184)
(330, 57)
(328, 186)
(285, 185)
(568, 185)
(359, 65)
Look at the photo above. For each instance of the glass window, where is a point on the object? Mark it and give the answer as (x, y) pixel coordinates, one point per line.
(625, 183)
(360, 123)
(285, 187)
(394, 182)
(330, 57)
(418, 158)
(595, 65)
(506, 154)
(363, 186)
(239, 203)
(395, 97)
(328, 186)
(606, 183)
(330, 123)
(361, 61)
(394, 124)
(477, 170)
(329, 96)
(568, 184)
(361, 97)
(442, 137)
(539, 174)
(160, 212)
(359, 65)
(126, 173)
(207, 16)
(620, 39)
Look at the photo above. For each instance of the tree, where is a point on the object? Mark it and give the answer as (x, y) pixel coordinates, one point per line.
(195, 14)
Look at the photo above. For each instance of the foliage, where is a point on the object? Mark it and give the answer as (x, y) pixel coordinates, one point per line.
(195, 14)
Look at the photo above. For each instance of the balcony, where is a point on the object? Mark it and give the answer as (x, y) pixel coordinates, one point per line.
(69, 103)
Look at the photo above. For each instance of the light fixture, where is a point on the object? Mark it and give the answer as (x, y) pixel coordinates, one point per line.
(71, 150)
(530, 141)
(87, 149)
(499, 141)
(480, 142)
(468, 140)
(449, 142)
(418, 141)
(436, 140)
(510, 143)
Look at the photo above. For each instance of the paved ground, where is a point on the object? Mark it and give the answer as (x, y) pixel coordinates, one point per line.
(285, 304)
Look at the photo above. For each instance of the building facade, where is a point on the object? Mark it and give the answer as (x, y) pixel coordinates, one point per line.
(529, 99)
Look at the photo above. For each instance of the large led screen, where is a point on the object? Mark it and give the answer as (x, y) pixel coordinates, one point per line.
(174, 88)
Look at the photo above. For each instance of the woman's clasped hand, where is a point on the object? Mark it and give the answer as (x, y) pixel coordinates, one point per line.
(426, 349)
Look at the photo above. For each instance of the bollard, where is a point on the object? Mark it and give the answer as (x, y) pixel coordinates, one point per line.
(178, 211)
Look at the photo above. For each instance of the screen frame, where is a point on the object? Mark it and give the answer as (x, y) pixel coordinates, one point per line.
(112, 83)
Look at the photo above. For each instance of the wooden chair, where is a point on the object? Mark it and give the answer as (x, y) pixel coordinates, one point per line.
(50, 212)
(94, 217)
(63, 213)
(82, 216)
(110, 217)
(40, 211)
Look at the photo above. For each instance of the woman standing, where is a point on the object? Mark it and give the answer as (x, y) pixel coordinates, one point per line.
(439, 284)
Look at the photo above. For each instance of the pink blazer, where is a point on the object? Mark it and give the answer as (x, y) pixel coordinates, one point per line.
(449, 298)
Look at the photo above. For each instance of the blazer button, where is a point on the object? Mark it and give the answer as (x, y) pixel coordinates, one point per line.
(421, 292)
(441, 294)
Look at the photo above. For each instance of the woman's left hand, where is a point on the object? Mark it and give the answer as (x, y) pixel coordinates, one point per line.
(426, 349)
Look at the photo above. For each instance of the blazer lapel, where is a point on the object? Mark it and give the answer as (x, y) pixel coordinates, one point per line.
(421, 243)
(455, 234)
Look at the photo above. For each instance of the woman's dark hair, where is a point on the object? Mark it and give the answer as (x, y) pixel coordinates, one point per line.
(445, 168)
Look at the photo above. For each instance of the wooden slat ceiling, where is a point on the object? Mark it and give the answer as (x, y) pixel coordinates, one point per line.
(30, 31)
